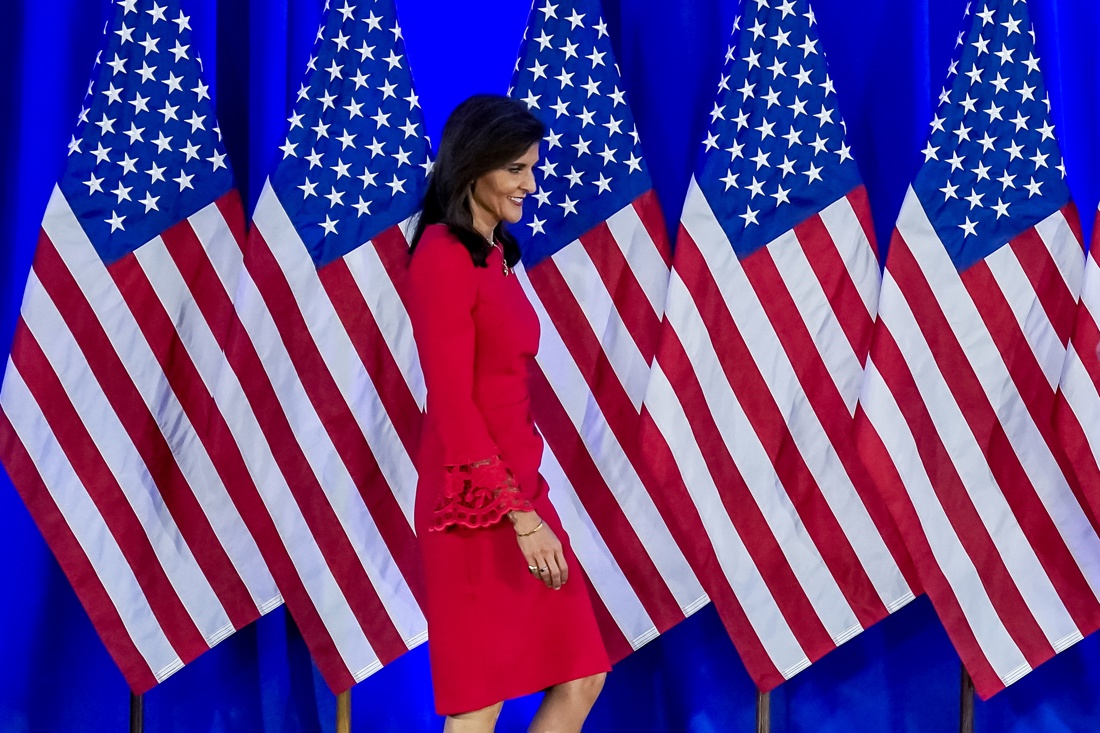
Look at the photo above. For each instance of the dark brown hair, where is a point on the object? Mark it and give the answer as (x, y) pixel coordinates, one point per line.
(483, 133)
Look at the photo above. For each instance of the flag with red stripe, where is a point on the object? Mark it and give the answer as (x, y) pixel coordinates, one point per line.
(957, 408)
(595, 267)
(1078, 407)
(323, 353)
(108, 424)
(749, 411)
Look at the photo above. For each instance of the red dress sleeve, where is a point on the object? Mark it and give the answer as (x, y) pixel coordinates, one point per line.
(479, 489)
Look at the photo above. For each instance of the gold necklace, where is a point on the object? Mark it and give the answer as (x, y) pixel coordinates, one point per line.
(503, 262)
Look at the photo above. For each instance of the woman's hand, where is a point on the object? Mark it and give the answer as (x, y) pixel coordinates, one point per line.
(541, 548)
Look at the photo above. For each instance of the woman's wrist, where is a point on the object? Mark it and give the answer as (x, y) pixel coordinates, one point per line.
(524, 522)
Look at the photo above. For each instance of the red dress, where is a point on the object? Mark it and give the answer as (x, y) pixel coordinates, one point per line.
(495, 631)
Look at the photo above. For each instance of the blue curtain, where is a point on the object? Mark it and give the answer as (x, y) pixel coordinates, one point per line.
(888, 58)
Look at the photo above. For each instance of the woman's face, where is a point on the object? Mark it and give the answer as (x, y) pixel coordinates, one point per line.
(498, 195)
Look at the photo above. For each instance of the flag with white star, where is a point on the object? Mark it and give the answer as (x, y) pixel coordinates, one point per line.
(766, 327)
(595, 267)
(334, 380)
(976, 311)
(107, 425)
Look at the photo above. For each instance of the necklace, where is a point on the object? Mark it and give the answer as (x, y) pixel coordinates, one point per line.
(503, 262)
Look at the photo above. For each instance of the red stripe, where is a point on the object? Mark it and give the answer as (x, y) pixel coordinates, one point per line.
(393, 391)
(1073, 218)
(775, 434)
(841, 294)
(631, 302)
(1082, 460)
(220, 443)
(334, 412)
(213, 301)
(1046, 279)
(857, 197)
(600, 503)
(1086, 342)
(393, 251)
(653, 219)
(889, 481)
(102, 487)
(674, 501)
(744, 513)
(985, 421)
(948, 485)
(71, 557)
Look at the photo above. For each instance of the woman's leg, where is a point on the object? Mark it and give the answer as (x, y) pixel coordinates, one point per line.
(565, 706)
(477, 721)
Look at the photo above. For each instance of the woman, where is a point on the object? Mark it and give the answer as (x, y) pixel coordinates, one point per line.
(507, 612)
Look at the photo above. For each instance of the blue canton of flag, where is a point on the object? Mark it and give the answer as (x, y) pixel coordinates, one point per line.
(992, 165)
(592, 162)
(355, 158)
(147, 152)
(775, 152)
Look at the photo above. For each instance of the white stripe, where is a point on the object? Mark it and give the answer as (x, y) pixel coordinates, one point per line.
(1065, 249)
(817, 314)
(336, 349)
(737, 565)
(814, 445)
(1028, 311)
(855, 250)
(584, 282)
(1000, 650)
(755, 467)
(389, 313)
(1039, 463)
(603, 571)
(108, 433)
(621, 477)
(1083, 399)
(641, 255)
(86, 523)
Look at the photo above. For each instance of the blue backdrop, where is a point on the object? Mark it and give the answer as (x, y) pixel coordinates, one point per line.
(888, 58)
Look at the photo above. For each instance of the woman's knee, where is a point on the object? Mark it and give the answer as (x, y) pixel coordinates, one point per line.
(484, 719)
(585, 689)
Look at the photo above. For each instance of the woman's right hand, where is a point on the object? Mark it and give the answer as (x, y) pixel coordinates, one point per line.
(541, 548)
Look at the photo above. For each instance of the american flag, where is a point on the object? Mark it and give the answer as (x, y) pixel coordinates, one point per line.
(976, 310)
(1078, 408)
(766, 329)
(595, 267)
(326, 360)
(108, 427)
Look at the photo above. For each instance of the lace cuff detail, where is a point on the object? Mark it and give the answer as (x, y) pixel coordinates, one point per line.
(478, 494)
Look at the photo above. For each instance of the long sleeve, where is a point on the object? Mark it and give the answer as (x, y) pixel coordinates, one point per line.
(479, 489)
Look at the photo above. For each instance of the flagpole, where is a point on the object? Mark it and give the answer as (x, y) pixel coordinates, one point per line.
(966, 704)
(343, 712)
(763, 712)
(137, 713)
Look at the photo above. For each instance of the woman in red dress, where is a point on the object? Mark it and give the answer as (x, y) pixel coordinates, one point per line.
(507, 612)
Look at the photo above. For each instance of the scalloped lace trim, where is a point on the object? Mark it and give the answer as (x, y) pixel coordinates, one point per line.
(478, 494)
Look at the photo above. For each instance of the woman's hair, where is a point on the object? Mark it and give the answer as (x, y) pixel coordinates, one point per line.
(483, 133)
